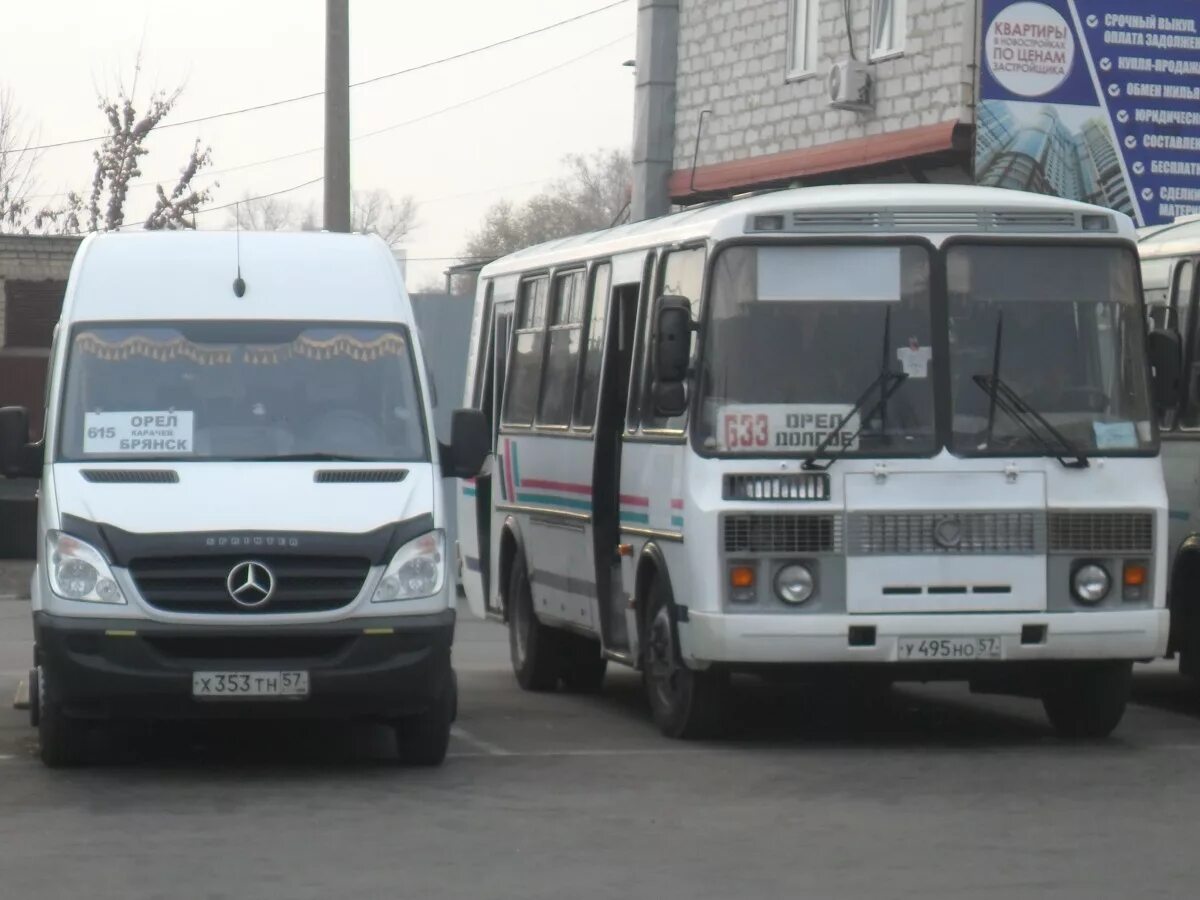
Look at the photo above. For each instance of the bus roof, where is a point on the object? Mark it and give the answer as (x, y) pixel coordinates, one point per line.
(729, 219)
(179, 275)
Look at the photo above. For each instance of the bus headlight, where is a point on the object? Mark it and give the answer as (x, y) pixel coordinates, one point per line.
(78, 571)
(794, 584)
(417, 570)
(1091, 583)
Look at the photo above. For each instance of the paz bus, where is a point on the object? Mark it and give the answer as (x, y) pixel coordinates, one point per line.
(1170, 255)
(889, 432)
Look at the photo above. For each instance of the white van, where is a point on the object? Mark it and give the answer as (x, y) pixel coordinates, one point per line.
(241, 511)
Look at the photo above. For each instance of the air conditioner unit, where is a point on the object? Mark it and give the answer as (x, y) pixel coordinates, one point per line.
(850, 85)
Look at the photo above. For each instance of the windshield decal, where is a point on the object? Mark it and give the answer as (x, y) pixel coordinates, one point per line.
(1115, 435)
(749, 428)
(152, 431)
(914, 359)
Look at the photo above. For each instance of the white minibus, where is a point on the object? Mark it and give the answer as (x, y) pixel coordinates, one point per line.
(240, 510)
(881, 433)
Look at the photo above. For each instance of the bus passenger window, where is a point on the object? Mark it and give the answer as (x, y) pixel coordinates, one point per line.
(593, 351)
(682, 276)
(526, 367)
(562, 355)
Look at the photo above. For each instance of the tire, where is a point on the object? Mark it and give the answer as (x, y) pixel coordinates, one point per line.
(583, 666)
(536, 649)
(1087, 700)
(62, 740)
(686, 703)
(423, 740)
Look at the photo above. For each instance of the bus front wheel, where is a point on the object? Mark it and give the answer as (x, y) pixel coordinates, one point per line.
(536, 649)
(1087, 700)
(686, 703)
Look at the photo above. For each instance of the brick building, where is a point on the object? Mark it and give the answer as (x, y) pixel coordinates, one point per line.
(745, 93)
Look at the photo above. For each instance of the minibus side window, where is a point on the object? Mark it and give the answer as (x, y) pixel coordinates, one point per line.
(683, 276)
(562, 352)
(1181, 300)
(593, 349)
(521, 396)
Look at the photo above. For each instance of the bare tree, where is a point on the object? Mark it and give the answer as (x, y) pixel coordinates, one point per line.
(118, 163)
(371, 212)
(593, 194)
(265, 214)
(18, 162)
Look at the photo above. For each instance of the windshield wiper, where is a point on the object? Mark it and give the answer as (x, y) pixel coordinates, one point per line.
(1011, 403)
(310, 457)
(887, 383)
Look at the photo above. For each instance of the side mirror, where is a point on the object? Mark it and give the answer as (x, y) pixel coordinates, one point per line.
(672, 354)
(1166, 367)
(18, 457)
(470, 444)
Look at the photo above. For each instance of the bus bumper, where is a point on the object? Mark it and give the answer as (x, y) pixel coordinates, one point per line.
(765, 639)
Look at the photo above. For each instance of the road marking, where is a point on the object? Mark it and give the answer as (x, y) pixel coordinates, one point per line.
(488, 748)
(21, 698)
(5, 757)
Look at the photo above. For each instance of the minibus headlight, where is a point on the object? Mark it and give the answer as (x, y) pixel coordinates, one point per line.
(417, 570)
(78, 571)
(1091, 583)
(794, 584)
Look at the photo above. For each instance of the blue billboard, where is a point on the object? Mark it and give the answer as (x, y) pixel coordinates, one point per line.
(1093, 100)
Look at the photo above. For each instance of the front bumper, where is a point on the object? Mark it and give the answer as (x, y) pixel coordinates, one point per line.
(767, 639)
(382, 668)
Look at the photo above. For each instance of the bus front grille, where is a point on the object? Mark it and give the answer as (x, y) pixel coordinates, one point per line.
(1017, 532)
(783, 534)
(1101, 532)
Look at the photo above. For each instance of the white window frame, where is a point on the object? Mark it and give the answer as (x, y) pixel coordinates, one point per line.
(802, 60)
(898, 10)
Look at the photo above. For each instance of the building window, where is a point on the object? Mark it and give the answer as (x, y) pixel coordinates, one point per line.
(802, 37)
(889, 22)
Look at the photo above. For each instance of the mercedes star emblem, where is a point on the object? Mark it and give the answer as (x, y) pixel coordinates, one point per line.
(250, 584)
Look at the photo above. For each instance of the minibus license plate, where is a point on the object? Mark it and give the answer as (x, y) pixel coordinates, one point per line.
(284, 685)
(950, 649)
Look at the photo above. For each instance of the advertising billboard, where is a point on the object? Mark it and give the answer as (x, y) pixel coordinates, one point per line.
(1093, 100)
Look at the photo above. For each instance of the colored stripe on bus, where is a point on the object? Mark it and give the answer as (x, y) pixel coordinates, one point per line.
(1181, 515)
(550, 500)
(468, 492)
(677, 521)
(539, 484)
(631, 500)
(676, 504)
(635, 518)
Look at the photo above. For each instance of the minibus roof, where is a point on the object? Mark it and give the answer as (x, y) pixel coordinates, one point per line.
(719, 221)
(1180, 237)
(189, 275)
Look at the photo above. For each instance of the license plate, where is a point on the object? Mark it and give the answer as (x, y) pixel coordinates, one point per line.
(285, 685)
(952, 649)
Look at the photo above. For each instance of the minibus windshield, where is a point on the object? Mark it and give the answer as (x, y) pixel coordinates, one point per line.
(1058, 329)
(802, 344)
(241, 391)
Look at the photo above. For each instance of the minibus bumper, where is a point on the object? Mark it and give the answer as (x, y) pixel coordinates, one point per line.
(378, 668)
(718, 638)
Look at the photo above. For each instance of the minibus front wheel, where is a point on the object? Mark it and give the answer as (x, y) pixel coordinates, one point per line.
(1087, 700)
(686, 703)
(61, 739)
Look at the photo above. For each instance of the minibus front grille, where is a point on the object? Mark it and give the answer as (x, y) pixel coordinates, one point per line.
(130, 476)
(359, 476)
(953, 533)
(783, 534)
(1101, 532)
(199, 584)
(805, 486)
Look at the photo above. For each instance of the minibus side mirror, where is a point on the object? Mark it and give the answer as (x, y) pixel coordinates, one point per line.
(1166, 366)
(672, 354)
(470, 444)
(18, 457)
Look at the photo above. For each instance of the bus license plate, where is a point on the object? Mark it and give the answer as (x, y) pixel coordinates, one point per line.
(950, 649)
(258, 685)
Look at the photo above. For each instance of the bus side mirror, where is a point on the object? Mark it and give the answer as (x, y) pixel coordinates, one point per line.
(1166, 367)
(672, 354)
(18, 457)
(470, 444)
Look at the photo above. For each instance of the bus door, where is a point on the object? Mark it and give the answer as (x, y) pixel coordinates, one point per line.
(1181, 450)
(489, 521)
(606, 471)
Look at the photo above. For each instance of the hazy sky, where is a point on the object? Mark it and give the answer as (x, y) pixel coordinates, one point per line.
(231, 53)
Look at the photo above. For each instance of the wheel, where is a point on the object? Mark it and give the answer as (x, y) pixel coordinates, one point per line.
(422, 740)
(536, 649)
(686, 703)
(583, 666)
(1087, 700)
(61, 739)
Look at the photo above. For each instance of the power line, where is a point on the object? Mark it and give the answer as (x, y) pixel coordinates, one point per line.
(373, 80)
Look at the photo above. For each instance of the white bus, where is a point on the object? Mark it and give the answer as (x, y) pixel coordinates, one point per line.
(1170, 255)
(905, 431)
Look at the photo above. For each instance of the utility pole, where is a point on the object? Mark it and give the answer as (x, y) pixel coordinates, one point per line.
(337, 115)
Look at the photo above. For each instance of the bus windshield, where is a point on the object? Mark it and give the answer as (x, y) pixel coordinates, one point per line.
(1057, 329)
(241, 391)
(819, 348)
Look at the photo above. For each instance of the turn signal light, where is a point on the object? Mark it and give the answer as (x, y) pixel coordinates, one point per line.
(1135, 575)
(741, 577)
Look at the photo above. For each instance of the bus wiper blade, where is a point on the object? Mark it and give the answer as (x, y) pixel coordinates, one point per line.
(887, 383)
(1008, 401)
(309, 457)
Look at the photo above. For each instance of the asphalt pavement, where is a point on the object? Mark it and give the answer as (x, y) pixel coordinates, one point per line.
(933, 793)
